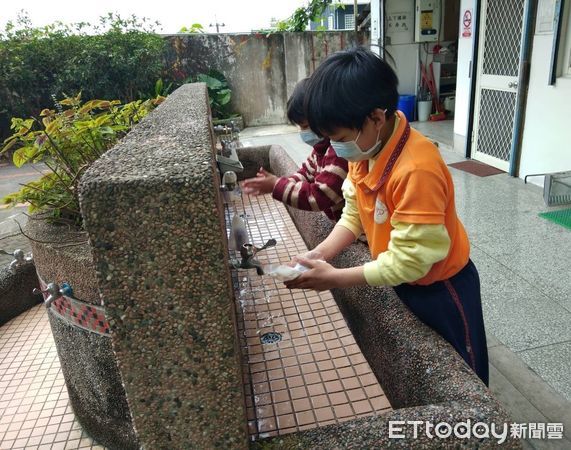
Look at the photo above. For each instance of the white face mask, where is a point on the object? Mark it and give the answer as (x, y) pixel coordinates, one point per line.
(309, 137)
(351, 151)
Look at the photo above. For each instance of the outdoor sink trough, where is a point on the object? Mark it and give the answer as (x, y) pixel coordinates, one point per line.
(213, 355)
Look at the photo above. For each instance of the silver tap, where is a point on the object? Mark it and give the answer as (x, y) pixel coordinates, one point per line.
(231, 140)
(229, 181)
(54, 292)
(248, 254)
(20, 258)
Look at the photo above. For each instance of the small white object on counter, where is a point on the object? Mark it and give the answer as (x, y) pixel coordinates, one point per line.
(285, 273)
(282, 272)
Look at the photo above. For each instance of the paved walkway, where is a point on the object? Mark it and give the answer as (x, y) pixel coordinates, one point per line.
(11, 180)
(523, 262)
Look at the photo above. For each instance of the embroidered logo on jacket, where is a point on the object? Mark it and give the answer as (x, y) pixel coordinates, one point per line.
(381, 212)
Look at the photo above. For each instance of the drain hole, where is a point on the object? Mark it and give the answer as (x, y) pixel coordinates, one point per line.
(271, 338)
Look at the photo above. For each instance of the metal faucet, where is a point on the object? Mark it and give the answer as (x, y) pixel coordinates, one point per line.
(20, 258)
(248, 254)
(229, 181)
(54, 292)
(232, 137)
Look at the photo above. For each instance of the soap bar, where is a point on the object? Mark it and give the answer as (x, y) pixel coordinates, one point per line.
(283, 273)
(300, 268)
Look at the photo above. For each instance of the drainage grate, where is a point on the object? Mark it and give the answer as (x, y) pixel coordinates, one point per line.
(271, 338)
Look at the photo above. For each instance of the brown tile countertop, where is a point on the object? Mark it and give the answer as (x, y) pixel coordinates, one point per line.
(316, 374)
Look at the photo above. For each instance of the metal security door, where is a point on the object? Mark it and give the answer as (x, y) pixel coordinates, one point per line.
(501, 32)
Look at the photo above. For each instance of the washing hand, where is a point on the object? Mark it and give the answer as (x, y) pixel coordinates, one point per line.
(311, 254)
(263, 183)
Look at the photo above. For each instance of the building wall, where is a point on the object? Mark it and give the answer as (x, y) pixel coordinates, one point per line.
(338, 17)
(546, 145)
(262, 69)
(401, 47)
(547, 107)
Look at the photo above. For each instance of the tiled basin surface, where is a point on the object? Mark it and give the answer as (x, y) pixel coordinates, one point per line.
(316, 375)
(34, 408)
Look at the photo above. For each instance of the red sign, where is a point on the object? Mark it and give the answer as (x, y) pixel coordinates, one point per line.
(467, 23)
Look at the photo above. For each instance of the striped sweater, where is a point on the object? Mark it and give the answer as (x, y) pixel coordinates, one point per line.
(316, 186)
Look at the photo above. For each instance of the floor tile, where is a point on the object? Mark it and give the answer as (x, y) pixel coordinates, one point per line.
(553, 364)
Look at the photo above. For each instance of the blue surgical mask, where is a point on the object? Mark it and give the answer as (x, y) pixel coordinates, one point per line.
(309, 137)
(351, 151)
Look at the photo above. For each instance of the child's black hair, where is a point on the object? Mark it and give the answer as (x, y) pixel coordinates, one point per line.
(295, 109)
(347, 87)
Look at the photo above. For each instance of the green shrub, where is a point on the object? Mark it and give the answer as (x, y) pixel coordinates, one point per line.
(68, 140)
(122, 60)
(219, 93)
(301, 17)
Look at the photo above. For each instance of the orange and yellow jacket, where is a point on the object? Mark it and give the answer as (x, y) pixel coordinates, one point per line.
(410, 221)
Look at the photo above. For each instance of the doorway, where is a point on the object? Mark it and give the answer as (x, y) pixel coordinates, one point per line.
(497, 81)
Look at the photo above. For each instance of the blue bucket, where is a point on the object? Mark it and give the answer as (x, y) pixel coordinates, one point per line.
(406, 105)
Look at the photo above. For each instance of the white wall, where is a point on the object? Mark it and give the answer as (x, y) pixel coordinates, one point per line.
(404, 50)
(546, 145)
(406, 61)
(402, 47)
(465, 45)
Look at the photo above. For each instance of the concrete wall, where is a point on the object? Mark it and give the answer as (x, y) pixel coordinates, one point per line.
(87, 360)
(16, 291)
(153, 211)
(546, 146)
(261, 69)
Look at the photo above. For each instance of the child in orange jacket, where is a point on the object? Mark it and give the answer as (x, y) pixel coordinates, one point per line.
(400, 193)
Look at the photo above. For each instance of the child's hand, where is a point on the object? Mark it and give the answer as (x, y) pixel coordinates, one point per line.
(311, 254)
(263, 183)
(321, 276)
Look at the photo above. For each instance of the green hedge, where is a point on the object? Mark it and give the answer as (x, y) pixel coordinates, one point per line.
(118, 59)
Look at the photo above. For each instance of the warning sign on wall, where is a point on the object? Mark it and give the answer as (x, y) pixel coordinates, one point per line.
(467, 23)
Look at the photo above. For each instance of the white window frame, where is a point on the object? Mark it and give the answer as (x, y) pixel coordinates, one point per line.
(352, 20)
(330, 22)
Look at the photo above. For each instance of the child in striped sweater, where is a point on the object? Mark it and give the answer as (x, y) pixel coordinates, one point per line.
(316, 186)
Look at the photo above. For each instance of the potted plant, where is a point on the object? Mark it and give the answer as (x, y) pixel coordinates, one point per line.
(220, 96)
(68, 139)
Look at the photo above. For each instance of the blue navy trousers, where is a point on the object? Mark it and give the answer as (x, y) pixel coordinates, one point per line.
(453, 308)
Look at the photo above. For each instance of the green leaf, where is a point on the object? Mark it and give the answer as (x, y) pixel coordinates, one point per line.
(159, 87)
(107, 131)
(9, 145)
(211, 83)
(224, 97)
(10, 198)
(21, 156)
